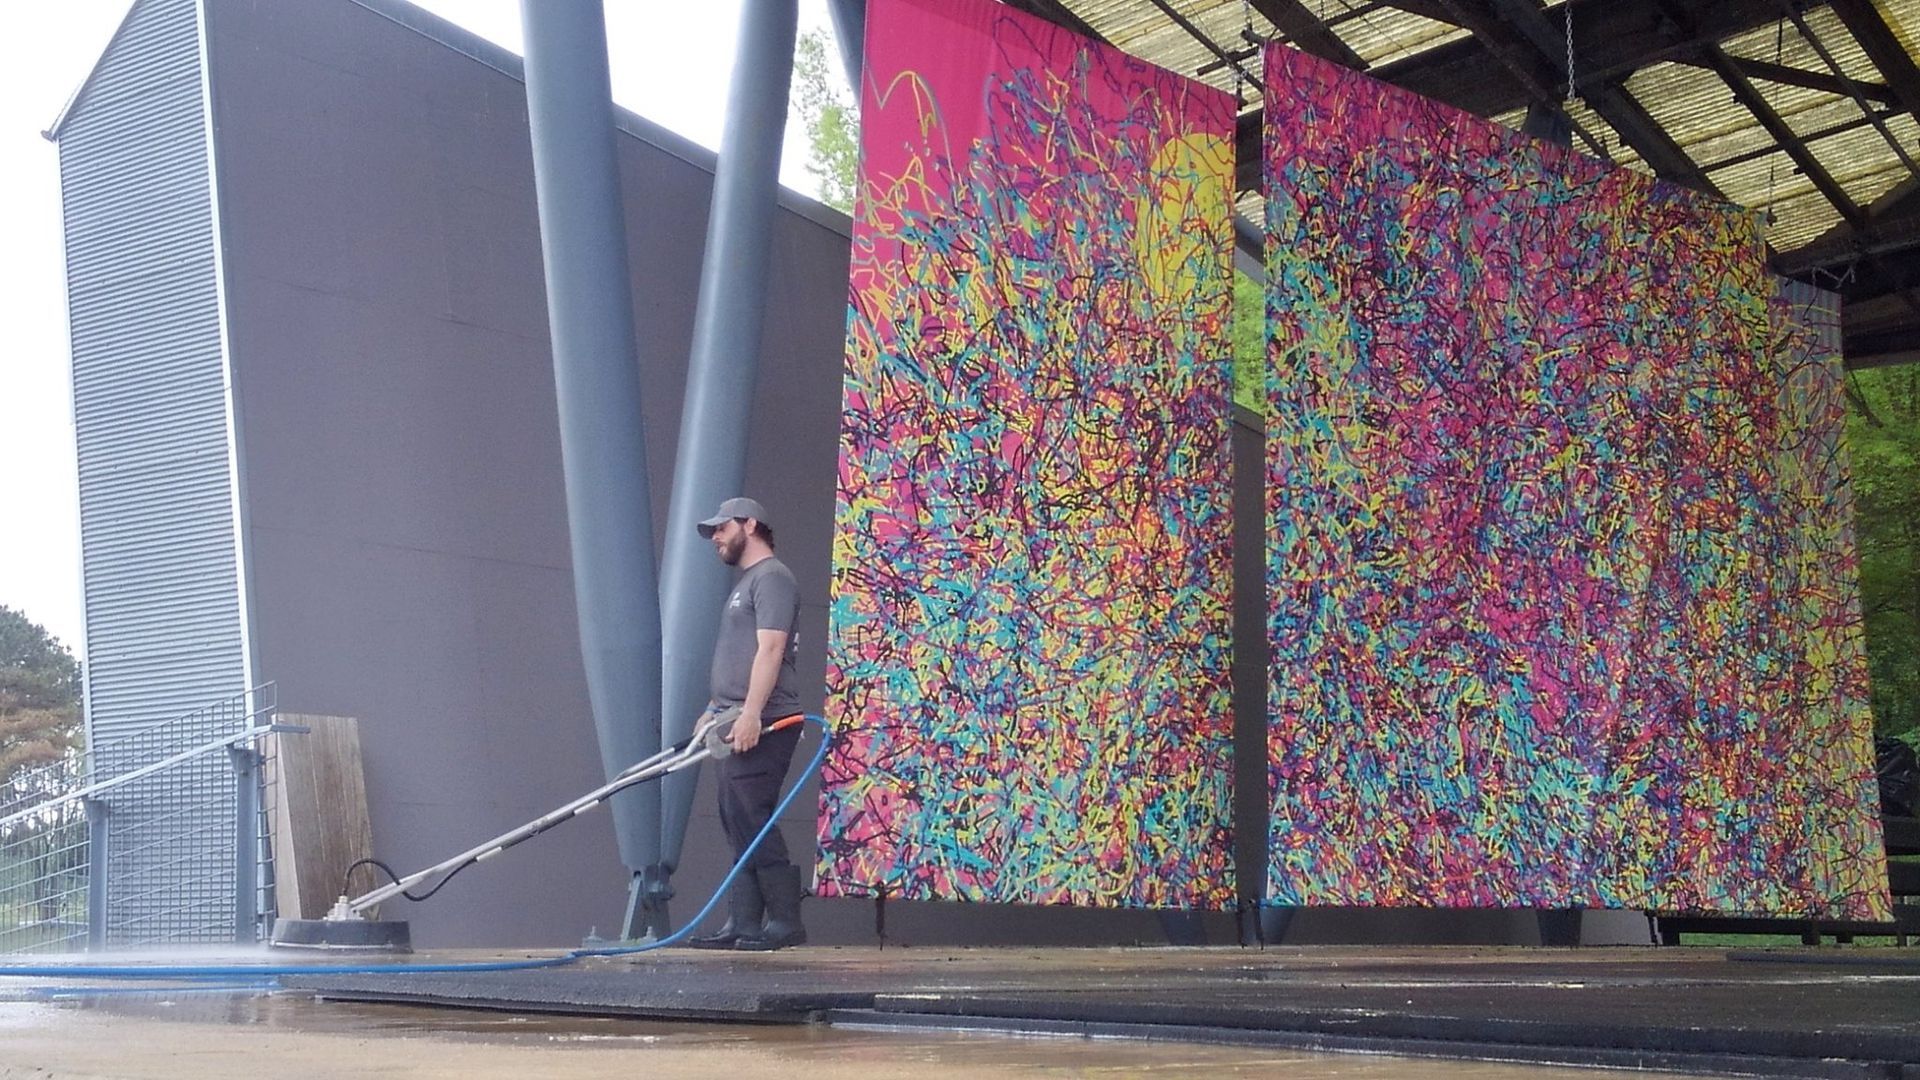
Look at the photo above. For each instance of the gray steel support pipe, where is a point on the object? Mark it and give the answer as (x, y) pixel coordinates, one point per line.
(596, 378)
(850, 30)
(715, 420)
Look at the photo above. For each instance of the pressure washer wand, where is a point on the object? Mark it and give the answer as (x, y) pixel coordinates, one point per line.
(705, 742)
(669, 760)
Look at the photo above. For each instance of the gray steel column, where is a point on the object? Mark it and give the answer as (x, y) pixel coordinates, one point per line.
(97, 854)
(246, 844)
(715, 418)
(850, 30)
(596, 376)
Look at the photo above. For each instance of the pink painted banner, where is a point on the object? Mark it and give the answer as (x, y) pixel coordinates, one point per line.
(1563, 597)
(1029, 639)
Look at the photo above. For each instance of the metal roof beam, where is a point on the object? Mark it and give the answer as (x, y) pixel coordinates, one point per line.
(1520, 64)
(1633, 123)
(1853, 88)
(1464, 73)
(1842, 246)
(1830, 130)
(1793, 76)
(1670, 161)
(1891, 309)
(1889, 213)
(1198, 35)
(1307, 33)
(1883, 48)
(1808, 164)
(1757, 104)
(1058, 14)
(1881, 349)
(1638, 33)
(1862, 363)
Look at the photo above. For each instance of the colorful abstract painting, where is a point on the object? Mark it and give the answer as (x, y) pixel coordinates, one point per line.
(1563, 601)
(1029, 645)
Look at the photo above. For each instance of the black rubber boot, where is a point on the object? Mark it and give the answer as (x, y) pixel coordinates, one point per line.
(781, 886)
(746, 909)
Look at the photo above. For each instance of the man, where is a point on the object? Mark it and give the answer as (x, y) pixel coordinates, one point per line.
(753, 668)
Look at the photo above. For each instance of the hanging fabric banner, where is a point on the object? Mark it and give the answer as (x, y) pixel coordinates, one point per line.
(1029, 638)
(1563, 602)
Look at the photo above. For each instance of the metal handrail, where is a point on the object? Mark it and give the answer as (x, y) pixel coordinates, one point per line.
(149, 769)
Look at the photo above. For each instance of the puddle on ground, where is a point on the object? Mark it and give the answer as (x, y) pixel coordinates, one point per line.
(212, 1033)
(300, 1011)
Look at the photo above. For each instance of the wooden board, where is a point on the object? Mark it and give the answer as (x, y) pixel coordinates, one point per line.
(317, 798)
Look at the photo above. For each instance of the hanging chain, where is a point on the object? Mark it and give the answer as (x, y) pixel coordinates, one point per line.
(1247, 35)
(1773, 166)
(1567, 6)
(1240, 71)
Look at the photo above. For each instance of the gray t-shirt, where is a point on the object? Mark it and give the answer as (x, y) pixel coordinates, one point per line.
(764, 598)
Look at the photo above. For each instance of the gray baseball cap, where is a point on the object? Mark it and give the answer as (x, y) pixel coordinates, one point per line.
(738, 507)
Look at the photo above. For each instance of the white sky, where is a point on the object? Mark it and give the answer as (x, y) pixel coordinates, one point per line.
(670, 63)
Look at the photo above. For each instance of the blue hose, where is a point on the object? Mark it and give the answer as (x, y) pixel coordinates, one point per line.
(231, 971)
(265, 982)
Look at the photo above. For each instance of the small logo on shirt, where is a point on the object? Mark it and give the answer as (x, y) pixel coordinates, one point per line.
(735, 602)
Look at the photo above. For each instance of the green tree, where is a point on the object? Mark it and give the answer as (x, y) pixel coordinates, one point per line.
(832, 120)
(1883, 435)
(39, 695)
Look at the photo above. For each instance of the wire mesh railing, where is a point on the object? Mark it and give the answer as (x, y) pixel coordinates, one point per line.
(43, 860)
(157, 837)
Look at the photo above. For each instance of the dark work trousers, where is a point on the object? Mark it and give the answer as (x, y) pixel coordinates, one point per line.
(749, 787)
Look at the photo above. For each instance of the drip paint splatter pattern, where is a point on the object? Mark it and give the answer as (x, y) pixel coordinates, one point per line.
(1028, 664)
(1563, 604)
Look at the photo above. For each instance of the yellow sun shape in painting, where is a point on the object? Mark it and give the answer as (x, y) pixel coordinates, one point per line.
(1177, 217)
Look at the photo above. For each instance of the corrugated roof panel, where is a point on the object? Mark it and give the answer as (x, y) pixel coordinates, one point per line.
(1903, 17)
(1513, 118)
(1799, 219)
(1862, 161)
(1699, 111)
(1870, 184)
(1795, 51)
(1819, 117)
(1222, 21)
(1691, 103)
(1771, 181)
(1387, 35)
(1724, 151)
(1122, 22)
(1252, 205)
(1143, 30)
(1753, 182)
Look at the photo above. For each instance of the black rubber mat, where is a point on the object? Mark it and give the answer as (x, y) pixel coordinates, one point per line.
(1839, 1016)
(634, 992)
(1708, 1012)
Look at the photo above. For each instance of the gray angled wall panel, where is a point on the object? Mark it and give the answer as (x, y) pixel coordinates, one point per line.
(159, 548)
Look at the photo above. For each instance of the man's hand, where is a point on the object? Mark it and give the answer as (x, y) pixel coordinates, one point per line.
(746, 732)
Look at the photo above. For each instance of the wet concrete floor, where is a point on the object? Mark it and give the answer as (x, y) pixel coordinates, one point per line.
(74, 1025)
(192, 1033)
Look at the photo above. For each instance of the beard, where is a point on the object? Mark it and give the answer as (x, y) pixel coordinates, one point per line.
(732, 548)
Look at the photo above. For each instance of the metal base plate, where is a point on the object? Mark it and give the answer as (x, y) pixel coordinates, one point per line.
(343, 935)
